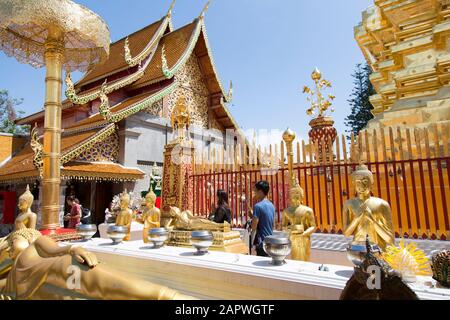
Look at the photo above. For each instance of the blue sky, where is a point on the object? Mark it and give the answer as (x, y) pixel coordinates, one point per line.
(267, 47)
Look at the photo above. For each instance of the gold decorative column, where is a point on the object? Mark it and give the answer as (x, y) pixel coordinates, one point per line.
(55, 34)
(54, 49)
(178, 156)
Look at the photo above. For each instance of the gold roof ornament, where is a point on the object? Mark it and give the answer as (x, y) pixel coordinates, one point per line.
(205, 8)
(316, 98)
(37, 148)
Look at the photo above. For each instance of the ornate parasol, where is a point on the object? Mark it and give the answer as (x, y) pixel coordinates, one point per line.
(54, 34)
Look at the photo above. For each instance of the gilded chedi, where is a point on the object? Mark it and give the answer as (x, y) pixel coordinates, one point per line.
(406, 45)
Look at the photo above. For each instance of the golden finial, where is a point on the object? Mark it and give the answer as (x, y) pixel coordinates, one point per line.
(316, 74)
(205, 8)
(288, 135)
(316, 98)
(38, 150)
(169, 12)
(230, 92)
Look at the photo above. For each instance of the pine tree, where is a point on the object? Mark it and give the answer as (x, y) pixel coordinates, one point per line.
(9, 113)
(359, 99)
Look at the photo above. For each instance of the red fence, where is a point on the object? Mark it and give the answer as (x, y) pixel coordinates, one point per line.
(414, 179)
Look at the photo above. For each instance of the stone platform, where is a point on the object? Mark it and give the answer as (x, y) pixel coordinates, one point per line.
(223, 241)
(223, 276)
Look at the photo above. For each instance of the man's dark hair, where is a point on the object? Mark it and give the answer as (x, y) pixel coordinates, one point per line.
(263, 186)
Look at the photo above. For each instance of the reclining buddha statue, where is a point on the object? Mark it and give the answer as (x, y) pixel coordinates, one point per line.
(36, 267)
(185, 220)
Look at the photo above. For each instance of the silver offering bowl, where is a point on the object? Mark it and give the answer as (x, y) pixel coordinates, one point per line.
(201, 240)
(357, 250)
(117, 233)
(278, 247)
(87, 231)
(158, 236)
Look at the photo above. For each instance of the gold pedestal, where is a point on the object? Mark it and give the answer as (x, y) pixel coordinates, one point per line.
(229, 241)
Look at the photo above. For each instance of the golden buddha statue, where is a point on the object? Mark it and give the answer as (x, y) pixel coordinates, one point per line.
(26, 218)
(187, 221)
(125, 215)
(367, 215)
(298, 221)
(41, 269)
(151, 215)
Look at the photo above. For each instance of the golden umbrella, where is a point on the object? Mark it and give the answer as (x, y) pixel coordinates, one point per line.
(54, 34)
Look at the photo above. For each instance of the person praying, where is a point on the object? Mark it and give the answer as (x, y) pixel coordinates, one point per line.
(222, 212)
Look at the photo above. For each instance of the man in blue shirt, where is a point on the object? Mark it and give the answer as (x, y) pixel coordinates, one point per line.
(263, 216)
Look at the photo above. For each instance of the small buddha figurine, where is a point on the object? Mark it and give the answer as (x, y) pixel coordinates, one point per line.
(26, 218)
(151, 215)
(366, 215)
(125, 215)
(298, 221)
(187, 221)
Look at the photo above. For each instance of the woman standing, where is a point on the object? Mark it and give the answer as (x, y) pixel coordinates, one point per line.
(222, 212)
(74, 216)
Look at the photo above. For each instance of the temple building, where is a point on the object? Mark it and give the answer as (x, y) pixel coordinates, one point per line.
(406, 42)
(116, 118)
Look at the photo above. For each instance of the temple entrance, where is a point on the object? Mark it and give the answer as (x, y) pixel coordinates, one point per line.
(96, 196)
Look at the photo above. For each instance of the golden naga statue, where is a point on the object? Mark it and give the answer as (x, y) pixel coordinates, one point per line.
(26, 218)
(125, 215)
(151, 215)
(42, 269)
(298, 221)
(187, 221)
(367, 215)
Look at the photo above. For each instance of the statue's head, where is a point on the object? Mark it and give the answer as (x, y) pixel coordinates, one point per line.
(150, 198)
(19, 240)
(125, 199)
(175, 212)
(362, 179)
(25, 200)
(296, 195)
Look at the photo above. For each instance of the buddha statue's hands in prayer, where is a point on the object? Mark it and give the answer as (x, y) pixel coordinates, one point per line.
(83, 256)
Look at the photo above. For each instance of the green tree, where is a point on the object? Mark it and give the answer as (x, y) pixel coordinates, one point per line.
(9, 113)
(359, 99)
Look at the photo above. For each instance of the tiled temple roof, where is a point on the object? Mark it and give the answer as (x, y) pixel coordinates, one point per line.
(21, 165)
(116, 61)
(100, 171)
